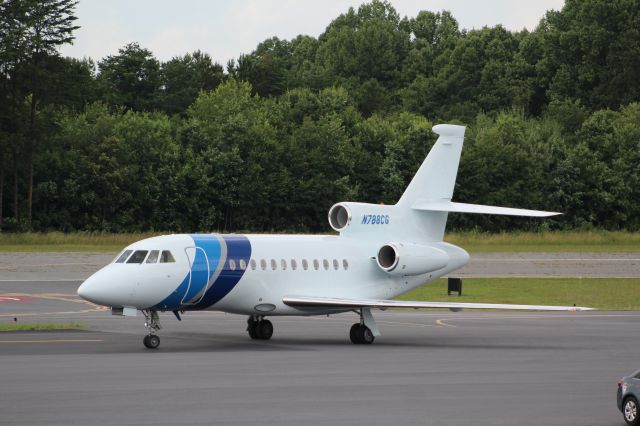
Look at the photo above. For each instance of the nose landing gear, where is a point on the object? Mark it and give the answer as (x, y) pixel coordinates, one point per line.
(259, 328)
(151, 341)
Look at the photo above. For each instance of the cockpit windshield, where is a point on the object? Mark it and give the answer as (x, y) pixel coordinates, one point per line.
(125, 254)
(153, 256)
(138, 256)
(166, 257)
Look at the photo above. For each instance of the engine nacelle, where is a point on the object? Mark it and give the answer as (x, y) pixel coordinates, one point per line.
(410, 259)
(360, 217)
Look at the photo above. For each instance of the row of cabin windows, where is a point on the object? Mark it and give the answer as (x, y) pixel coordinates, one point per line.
(165, 256)
(294, 264)
(139, 256)
(242, 265)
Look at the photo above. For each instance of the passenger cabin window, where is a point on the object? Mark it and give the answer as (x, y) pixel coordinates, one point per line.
(232, 265)
(316, 264)
(274, 264)
(253, 264)
(243, 265)
(166, 257)
(325, 263)
(153, 256)
(125, 254)
(138, 256)
(294, 264)
(335, 264)
(283, 264)
(345, 264)
(263, 264)
(305, 265)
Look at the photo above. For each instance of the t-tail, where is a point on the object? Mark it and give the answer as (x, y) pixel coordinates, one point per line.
(421, 213)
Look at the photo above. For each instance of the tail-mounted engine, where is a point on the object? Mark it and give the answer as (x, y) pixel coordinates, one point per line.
(410, 259)
(361, 217)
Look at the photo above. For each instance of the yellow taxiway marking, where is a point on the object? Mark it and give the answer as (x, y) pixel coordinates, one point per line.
(54, 341)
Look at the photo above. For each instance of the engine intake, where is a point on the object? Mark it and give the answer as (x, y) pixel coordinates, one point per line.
(339, 217)
(410, 259)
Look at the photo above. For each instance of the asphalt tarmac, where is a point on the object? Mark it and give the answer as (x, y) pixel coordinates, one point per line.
(428, 367)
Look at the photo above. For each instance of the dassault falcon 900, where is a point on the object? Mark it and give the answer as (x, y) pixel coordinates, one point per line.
(382, 251)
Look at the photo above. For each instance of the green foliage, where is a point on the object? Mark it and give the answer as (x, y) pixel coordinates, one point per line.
(131, 79)
(552, 116)
(184, 77)
(41, 326)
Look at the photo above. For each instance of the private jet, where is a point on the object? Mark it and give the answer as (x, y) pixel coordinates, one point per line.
(381, 252)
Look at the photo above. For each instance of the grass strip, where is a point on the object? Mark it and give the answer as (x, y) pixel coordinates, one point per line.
(553, 241)
(41, 326)
(600, 293)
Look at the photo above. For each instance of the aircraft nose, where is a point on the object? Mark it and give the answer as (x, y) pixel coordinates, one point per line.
(95, 290)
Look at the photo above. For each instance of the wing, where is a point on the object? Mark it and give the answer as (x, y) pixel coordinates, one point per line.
(339, 303)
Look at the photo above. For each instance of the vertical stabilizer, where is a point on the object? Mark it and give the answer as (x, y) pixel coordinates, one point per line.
(436, 177)
(434, 181)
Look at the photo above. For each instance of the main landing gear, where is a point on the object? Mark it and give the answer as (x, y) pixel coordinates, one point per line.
(365, 331)
(259, 328)
(360, 334)
(151, 341)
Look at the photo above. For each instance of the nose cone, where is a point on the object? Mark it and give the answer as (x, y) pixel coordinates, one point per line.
(95, 290)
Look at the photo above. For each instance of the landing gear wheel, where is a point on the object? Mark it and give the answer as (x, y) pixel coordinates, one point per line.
(630, 411)
(151, 341)
(353, 334)
(259, 329)
(361, 334)
(252, 328)
(366, 335)
(265, 329)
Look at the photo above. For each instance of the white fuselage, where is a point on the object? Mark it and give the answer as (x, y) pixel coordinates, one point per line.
(250, 274)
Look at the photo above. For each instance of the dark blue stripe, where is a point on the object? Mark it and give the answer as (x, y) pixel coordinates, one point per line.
(238, 248)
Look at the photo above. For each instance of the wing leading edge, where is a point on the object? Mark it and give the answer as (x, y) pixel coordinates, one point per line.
(338, 303)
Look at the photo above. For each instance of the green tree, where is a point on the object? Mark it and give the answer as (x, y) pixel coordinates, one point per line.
(34, 30)
(592, 52)
(184, 77)
(131, 79)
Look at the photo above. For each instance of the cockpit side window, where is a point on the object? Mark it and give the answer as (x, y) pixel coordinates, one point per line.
(166, 257)
(125, 254)
(153, 256)
(138, 256)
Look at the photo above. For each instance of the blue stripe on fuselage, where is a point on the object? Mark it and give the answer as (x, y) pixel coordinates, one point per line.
(238, 248)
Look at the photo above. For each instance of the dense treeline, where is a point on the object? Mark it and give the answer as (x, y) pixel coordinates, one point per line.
(273, 140)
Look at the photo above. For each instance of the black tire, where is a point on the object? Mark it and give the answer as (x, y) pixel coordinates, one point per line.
(151, 341)
(252, 328)
(265, 329)
(366, 335)
(354, 334)
(631, 411)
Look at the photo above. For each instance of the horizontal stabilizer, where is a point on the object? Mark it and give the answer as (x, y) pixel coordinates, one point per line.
(449, 206)
(338, 303)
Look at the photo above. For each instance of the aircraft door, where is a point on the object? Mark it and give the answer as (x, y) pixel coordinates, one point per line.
(198, 275)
